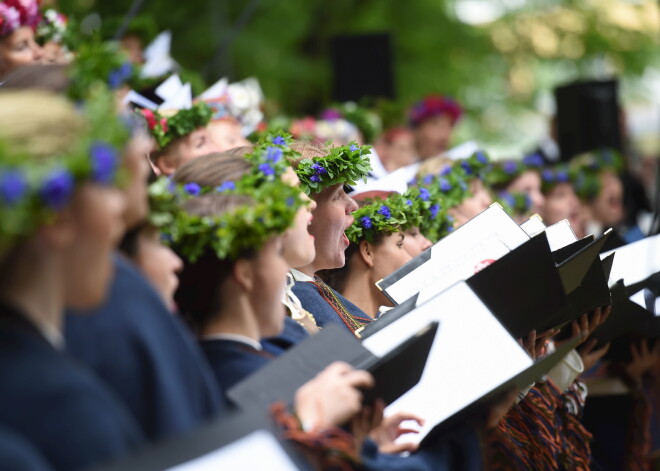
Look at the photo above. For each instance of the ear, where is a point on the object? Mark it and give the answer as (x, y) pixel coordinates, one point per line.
(166, 164)
(60, 233)
(244, 274)
(366, 251)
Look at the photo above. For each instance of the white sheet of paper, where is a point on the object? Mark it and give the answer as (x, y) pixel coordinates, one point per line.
(158, 60)
(259, 450)
(533, 226)
(638, 298)
(217, 90)
(472, 354)
(169, 88)
(560, 235)
(482, 240)
(134, 97)
(635, 262)
(182, 100)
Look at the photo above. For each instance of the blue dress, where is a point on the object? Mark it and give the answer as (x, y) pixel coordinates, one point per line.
(290, 335)
(146, 355)
(55, 404)
(319, 302)
(16, 454)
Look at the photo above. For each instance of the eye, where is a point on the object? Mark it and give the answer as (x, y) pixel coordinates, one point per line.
(201, 142)
(400, 241)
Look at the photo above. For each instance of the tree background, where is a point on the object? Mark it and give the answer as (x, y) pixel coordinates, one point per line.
(499, 58)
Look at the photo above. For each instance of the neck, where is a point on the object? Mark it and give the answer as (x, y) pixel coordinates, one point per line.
(235, 317)
(34, 286)
(361, 291)
(308, 270)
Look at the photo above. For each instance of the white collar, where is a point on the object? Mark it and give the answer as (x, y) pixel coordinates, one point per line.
(235, 338)
(300, 276)
(52, 335)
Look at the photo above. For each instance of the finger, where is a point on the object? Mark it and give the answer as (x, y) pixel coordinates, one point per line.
(575, 328)
(337, 368)
(401, 416)
(397, 448)
(359, 379)
(588, 347)
(403, 431)
(595, 320)
(584, 324)
(607, 310)
(602, 351)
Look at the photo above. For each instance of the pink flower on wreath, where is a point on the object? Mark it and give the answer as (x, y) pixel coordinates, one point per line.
(163, 124)
(10, 19)
(149, 117)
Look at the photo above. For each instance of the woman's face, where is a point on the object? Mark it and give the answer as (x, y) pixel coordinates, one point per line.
(136, 164)
(332, 217)
(529, 182)
(270, 269)
(196, 144)
(17, 49)
(297, 242)
(389, 255)
(562, 203)
(96, 220)
(475, 204)
(415, 243)
(607, 208)
(226, 134)
(159, 263)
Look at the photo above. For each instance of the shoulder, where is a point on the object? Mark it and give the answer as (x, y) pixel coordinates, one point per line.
(231, 362)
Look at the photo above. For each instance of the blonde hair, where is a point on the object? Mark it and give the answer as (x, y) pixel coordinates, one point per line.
(38, 123)
(433, 165)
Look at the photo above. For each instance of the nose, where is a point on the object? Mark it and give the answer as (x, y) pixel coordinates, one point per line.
(352, 206)
(425, 242)
(177, 263)
(37, 51)
(312, 204)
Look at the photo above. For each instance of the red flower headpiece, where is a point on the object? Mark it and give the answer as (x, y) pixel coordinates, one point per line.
(434, 105)
(17, 13)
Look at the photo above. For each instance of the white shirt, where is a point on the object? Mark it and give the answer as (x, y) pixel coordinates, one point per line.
(235, 338)
(300, 276)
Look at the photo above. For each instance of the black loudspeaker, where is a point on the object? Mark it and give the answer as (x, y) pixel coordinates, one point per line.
(587, 117)
(362, 67)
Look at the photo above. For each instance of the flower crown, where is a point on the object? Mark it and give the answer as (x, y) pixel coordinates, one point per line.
(367, 122)
(585, 171)
(165, 129)
(431, 106)
(514, 203)
(552, 176)
(17, 13)
(383, 216)
(450, 185)
(346, 165)
(504, 172)
(30, 192)
(98, 61)
(272, 211)
(52, 27)
(434, 221)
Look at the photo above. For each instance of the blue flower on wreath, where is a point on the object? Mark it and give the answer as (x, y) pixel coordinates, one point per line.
(267, 169)
(118, 76)
(104, 162)
(319, 169)
(528, 201)
(385, 211)
(424, 194)
(193, 189)
(12, 187)
(353, 148)
(434, 209)
(57, 188)
(508, 199)
(510, 167)
(427, 179)
(533, 160)
(481, 158)
(562, 176)
(466, 167)
(409, 203)
(274, 154)
(365, 221)
(548, 175)
(450, 229)
(226, 186)
(279, 141)
(463, 185)
(445, 186)
(315, 178)
(445, 171)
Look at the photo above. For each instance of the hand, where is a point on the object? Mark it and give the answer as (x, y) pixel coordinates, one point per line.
(588, 323)
(333, 397)
(386, 433)
(643, 358)
(590, 356)
(365, 421)
(499, 409)
(534, 344)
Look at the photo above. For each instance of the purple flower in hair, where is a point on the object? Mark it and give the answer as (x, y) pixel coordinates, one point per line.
(267, 169)
(445, 186)
(508, 199)
(12, 19)
(330, 115)
(481, 157)
(12, 187)
(279, 141)
(315, 178)
(450, 229)
(409, 203)
(353, 148)
(510, 167)
(319, 169)
(193, 189)
(104, 162)
(434, 210)
(428, 179)
(466, 167)
(424, 194)
(463, 185)
(445, 171)
(528, 201)
(533, 160)
(548, 175)
(226, 186)
(385, 211)
(365, 221)
(274, 154)
(57, 188)
(562, 176)
(120, 75)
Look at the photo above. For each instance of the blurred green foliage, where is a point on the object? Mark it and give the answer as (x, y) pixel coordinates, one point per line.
(496, 70)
